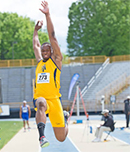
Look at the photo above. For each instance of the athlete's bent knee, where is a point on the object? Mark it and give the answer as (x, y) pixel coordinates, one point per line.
(61, 139)
(60, 133)
(41, 103)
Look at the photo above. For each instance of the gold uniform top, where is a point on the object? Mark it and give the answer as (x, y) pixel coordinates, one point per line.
(47, 80)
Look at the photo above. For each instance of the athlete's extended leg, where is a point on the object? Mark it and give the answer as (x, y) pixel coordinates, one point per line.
(61, 132)
(58, 119)
(41, 120)
(28, 124)
(24, 125)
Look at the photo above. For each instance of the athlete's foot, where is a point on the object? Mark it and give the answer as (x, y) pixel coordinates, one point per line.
(29, 128)
(24, 129)
(44, 142)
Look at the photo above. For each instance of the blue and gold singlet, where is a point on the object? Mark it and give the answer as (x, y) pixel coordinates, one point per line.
(47, 80)
(47, 85)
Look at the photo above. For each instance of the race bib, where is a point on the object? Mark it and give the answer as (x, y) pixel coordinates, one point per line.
(43, 78)
(25, 109)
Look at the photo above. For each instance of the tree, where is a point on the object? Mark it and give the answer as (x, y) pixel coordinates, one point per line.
(99, 27)
(16, 33)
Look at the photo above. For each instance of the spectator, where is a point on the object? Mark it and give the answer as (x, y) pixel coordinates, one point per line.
(127, 110)
(25, 114)
(107, 126)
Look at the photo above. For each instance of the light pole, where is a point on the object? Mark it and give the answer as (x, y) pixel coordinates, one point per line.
(102, 101)
(77, 86)
(113, 101)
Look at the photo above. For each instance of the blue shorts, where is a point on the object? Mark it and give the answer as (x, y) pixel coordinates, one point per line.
(25, 117)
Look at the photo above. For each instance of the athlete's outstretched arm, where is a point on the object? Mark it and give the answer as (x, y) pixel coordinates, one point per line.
(56, 49)
(36, 42)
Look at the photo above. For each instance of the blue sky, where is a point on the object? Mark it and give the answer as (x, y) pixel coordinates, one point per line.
(30, 8)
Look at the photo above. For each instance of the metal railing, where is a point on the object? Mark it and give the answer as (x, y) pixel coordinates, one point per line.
(66, 60)
(100, 70)
(113, 88)
(66, 104)
(119, 58)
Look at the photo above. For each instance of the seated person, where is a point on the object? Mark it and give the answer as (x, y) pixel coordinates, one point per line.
(107, 126)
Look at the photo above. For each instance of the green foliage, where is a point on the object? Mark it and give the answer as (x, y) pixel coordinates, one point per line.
(64, 55)
(7, 130)
(16, 34)
(99, 27)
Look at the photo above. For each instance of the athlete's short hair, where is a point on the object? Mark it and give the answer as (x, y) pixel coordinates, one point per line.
(45, 44)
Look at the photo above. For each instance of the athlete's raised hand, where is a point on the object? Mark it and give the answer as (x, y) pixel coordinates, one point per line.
(45, 8)
(38, 25)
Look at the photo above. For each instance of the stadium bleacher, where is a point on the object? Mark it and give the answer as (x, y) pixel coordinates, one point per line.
(109, 75)
(17, 83)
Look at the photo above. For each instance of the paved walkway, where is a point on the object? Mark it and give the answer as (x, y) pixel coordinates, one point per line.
(79, 138)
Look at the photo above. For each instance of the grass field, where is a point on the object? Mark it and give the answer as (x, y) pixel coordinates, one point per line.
(7, 130)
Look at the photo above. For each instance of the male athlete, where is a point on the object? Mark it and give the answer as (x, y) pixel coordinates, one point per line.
(47, 82)
(25, 114)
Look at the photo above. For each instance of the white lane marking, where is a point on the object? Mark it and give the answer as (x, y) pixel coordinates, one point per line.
(73, 144)
(121, 140)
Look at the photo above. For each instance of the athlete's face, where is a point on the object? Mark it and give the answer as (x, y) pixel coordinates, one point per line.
(46, 51)
(24, 104)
